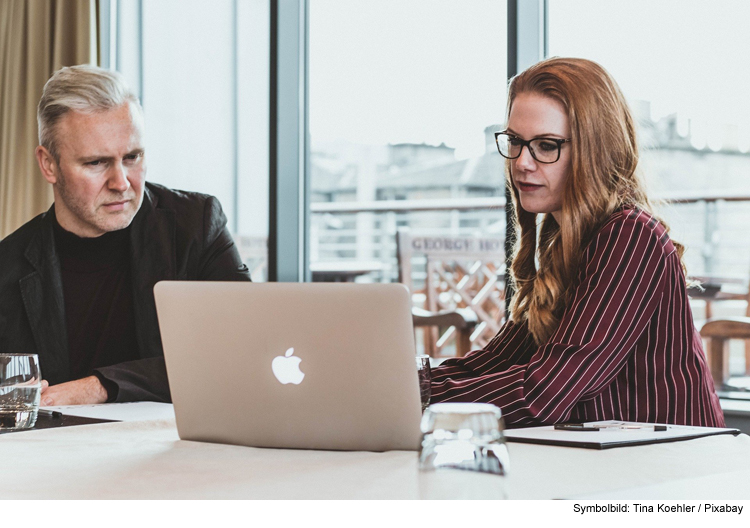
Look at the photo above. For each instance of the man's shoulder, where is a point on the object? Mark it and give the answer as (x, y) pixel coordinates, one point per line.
(14, 245)
(195, 215)
(166, 198)
(191, 209)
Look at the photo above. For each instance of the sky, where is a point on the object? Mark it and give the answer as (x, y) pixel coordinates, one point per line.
(687, 57)
(407, 71)
(434, 70)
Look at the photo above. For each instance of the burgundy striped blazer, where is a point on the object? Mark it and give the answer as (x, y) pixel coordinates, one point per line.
(626, 348)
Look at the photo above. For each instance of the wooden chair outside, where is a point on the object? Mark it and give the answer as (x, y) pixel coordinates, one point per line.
(718, 332)
(717, 295)
(459, 289)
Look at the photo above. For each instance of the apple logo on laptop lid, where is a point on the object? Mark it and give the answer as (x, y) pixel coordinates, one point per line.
(286, 368)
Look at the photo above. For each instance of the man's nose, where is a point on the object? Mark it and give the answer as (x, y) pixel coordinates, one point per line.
(118, 179)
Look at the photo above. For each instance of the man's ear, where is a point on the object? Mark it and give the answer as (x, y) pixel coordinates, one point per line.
(47, 164)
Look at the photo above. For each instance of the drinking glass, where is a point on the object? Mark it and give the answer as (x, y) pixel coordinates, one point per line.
(20, 390)
(425, 378)
(465, 436)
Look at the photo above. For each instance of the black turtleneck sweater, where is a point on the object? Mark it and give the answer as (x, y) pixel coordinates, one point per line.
(98, 301)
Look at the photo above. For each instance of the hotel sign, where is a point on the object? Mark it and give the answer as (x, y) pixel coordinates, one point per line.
(437, 246)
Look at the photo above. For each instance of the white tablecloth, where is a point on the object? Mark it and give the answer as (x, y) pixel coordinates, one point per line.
(146, 459)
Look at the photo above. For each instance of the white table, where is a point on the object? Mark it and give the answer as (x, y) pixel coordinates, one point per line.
(147, 460)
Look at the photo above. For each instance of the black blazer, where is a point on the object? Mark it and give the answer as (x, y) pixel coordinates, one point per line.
(175, 235)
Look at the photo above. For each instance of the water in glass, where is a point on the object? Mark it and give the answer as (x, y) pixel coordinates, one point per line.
(464, 436)
(20, 390)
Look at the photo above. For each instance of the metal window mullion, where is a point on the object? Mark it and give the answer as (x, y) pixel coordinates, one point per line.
(140, 50)
(108, 26)
(306, 162)
(288, 207)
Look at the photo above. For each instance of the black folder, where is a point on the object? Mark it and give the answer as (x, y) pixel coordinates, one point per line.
(612, 433)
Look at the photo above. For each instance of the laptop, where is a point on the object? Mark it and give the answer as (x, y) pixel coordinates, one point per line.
(290, 365)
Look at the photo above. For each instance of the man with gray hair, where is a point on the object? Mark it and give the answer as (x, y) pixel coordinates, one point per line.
(76, 282)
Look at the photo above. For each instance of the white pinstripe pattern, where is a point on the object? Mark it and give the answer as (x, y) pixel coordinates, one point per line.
(628, 331)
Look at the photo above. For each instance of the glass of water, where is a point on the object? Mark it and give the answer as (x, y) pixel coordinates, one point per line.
(20, 390)
(425, 379)
(465, 436)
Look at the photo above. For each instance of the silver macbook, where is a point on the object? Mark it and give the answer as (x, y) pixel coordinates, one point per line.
(288, 365)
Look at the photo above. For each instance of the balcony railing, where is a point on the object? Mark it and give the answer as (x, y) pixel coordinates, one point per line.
(713, 226)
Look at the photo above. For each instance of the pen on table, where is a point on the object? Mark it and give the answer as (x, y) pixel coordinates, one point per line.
(658, 428)
(591, 428)
(49, 414)
(575, 427)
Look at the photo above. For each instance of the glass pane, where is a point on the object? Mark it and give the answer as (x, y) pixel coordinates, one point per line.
(404, 97)
(253, 73)
(680, 73)
(679, 62)
(188, 56)
(204, 69)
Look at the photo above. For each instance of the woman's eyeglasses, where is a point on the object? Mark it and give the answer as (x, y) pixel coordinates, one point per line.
(544, 150)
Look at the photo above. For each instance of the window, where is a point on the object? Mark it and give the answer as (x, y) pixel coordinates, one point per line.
(202, 70)
(676, 62)
(404, 97)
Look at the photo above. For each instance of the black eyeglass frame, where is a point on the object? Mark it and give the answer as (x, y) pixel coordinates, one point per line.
(527, 144)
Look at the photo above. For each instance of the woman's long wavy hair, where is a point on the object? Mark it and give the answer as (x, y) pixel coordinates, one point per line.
(602, 178)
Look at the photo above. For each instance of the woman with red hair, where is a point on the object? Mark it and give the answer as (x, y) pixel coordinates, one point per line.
(600, 325)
